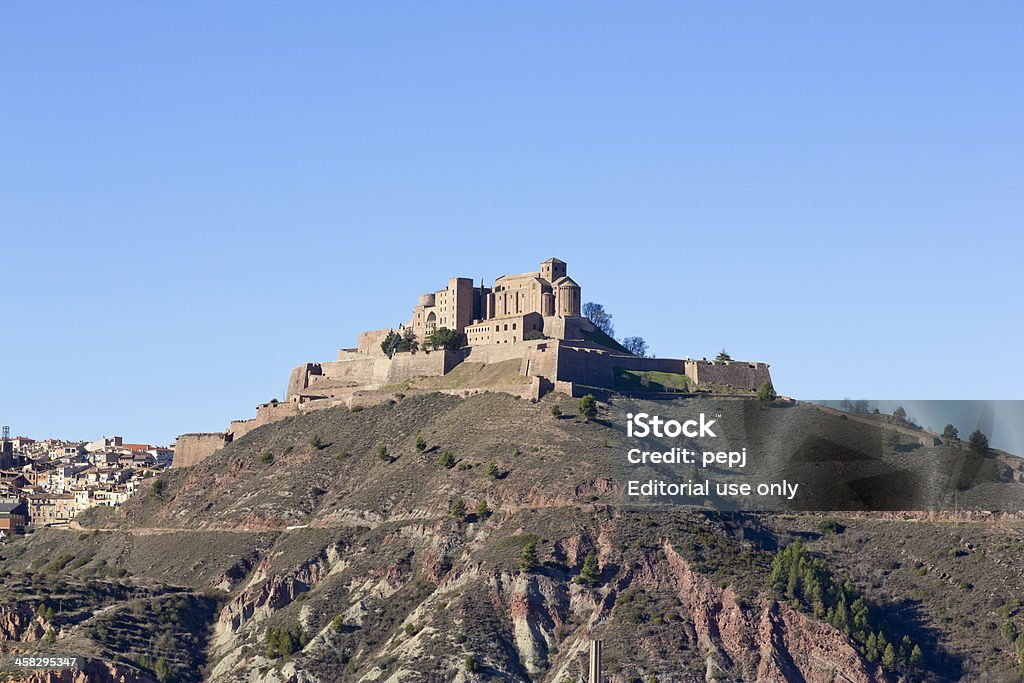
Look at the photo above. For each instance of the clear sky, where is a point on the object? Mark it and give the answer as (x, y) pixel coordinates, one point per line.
(196, 197)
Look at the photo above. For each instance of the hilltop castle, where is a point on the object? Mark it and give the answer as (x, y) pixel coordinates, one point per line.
(524, 336)
(516, 306)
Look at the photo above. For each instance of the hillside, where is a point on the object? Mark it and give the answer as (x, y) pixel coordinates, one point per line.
(329, 547)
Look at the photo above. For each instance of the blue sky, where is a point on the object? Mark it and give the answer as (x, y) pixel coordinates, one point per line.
(188, 192)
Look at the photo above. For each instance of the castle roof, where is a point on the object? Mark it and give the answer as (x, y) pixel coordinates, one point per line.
(554, 260)
(566, 280)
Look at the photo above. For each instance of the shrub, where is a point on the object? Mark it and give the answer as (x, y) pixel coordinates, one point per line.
(159, 486)
(766, 392)
(382, 453)
(471, 664)
(492, 470)
(458, 509)
(267, 457)
(556, 411)
(587, 407)
(482, 510)
(337, 624)
(590, 575)
(421, 444)
(528, 557)
(283, 642)
(315, 442)
(447, 460)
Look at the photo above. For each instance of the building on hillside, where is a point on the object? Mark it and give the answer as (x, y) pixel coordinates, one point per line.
(512, 310)
(104, 443)
(48, 509)
(13, 517)
(6, 454)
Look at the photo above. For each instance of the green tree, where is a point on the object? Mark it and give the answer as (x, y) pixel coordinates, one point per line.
(408, 341)
(900, 414)
(482, 510)
(871, 649)
(723, 355)
(528, 557)
(951, 433)
(889, 657)
(492, 470)
(1009, 631)
(447, 460)
(556, 412)
(421, 444)
(587, 407)
(916, 656)
(267, 457)
(766, 392)
(591, 572)
(471, 664)
(390, 344)
(444, 338)
(978, 442)
(316, 442)
(163, 670)
(382, 453)
(458, 509)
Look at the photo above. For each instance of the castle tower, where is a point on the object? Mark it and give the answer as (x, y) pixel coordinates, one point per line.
(567, 297)
(552, 269)
(547, 307)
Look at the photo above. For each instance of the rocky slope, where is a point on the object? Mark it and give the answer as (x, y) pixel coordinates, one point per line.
(325, 548)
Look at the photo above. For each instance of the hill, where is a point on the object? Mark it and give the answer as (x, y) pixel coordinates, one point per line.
(439, 538)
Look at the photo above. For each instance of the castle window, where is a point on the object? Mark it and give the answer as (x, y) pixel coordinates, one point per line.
(506, 327)
(513, 326)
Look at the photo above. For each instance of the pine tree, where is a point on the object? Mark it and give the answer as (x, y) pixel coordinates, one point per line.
(528, 558)
(591, 572)
(871, 649)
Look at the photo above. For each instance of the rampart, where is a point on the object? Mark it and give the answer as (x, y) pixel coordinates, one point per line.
(405, 366)
(735, 374)
(194, 448)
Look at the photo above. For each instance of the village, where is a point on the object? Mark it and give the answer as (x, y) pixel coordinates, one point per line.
(48, 482)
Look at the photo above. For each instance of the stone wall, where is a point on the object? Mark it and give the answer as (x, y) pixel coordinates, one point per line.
(194, 448)
(737, 374)
(369, 343)
(405, 366)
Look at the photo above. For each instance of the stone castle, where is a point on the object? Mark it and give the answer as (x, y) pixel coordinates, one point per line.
(524, 336)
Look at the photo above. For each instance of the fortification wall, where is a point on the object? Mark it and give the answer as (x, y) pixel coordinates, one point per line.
(405, 366)
(369, 343)
(359, 369)
(190, 449)
(299, 378)
(737, 374)
(497, 353)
